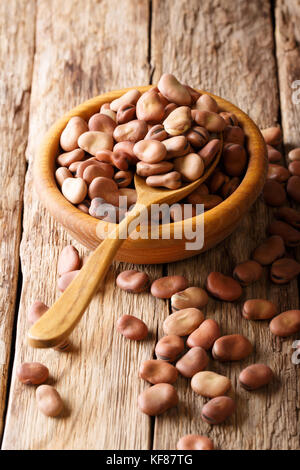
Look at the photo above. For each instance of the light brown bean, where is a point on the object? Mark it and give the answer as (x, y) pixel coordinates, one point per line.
(149, 107)
(126, 113)
(74, 189)
(130, 97)
(178, 121)
(65, 159)
(156, 132)
(170, 180)
(189, 297)
(36, 310)
(209, 384)
(49, 401)
(157, 399)
(173, 90)
(183, 322)
(206, 103)
(176, 146)
(272, 135)
(133, 131)
(156, 371)
(65, 280)
(95, 141)
(150, 151)
(71, 133)
(190, 166)
(195, 360)
(62, 174)
(132, 328)
(105, 188)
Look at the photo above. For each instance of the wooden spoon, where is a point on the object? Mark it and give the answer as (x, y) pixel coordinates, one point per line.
(59, 321)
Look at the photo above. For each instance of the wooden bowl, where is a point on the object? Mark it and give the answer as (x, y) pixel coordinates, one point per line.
(219, 222)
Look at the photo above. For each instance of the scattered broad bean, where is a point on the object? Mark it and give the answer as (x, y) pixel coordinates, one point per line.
(132, 327)
(209, 384)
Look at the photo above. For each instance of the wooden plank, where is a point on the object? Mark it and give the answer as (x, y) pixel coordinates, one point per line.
(16, 53)
(82, 48)
(227, 48)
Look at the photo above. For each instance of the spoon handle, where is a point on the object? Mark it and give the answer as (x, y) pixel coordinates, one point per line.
(60, 320)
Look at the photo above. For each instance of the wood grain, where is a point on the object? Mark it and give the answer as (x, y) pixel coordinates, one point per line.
(227, 47)
(16, 59)
(80, 53)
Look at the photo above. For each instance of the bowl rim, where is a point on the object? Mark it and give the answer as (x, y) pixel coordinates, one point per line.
(62, 210)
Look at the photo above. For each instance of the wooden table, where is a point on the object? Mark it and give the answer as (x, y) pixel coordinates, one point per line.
(56, 54)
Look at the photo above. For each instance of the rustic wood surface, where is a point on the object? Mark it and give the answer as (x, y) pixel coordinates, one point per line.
(226, 47)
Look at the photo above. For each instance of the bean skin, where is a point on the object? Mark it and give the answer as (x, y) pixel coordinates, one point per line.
(223, 287)
(157, 399)
(32, 373)
(205, 335)
(217, 410)
(132, 328)
(255, 376)
(194, 442)
(165, 287)
(231, 348)
(286, 324)
(169, 347)
(156, 371)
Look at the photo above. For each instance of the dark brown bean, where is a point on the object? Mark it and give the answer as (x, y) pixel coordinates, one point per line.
(217, 180)
(231, 348)
(217, 410)
(209, 151)
(132, 327)
(223, 287)
(274, 156)
(234, 135)
(274, 194)
(259, 309)
(255, 376)
(197, 136)
(32, 373)
(268, 251)
(133, 281)
(248, 272)
(195, 360)
(293, 188)
(156, 372)
(272, 135)
(123, 178)
(234, 159)
(286, 324)
(165, 287)
(289, 234)
(157, 399)
(194, 442)
(169, 347)
(284, 270)
(205, 335)
(209, 201)
(289, 215)
(125, 113)
(229, 118)
(278, 173)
